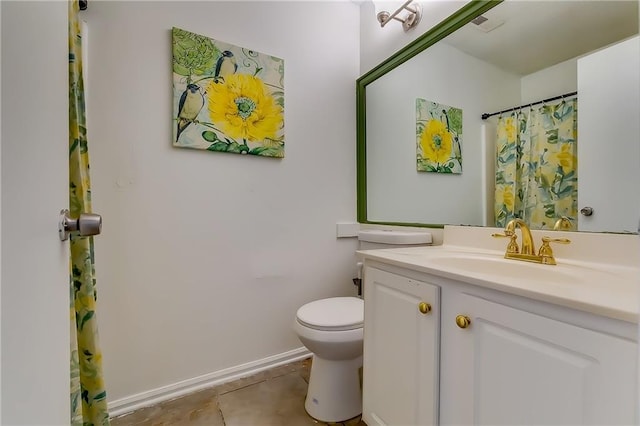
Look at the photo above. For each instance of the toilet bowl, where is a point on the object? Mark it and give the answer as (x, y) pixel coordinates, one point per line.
(332, 329)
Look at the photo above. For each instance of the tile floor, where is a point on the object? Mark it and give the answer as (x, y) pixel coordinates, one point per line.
(270, 398)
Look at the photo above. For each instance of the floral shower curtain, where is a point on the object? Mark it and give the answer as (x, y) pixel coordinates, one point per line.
(536, 167)
(88, 395)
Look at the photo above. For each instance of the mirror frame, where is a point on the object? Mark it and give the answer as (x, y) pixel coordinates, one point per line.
(457, 20)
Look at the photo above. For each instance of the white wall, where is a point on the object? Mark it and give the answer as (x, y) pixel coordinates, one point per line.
(550, 82)
(377, 44)
(205, 257)
(396, 191)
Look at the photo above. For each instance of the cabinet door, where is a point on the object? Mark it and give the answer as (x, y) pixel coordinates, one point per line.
(514, 367)
(400, 383)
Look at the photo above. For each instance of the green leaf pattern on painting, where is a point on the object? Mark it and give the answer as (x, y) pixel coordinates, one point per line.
(278, 96)
(455, 120)
(268, 151)
(275, 150)
(209, 136)
(218, 146)
(236, 147)
(193, 54)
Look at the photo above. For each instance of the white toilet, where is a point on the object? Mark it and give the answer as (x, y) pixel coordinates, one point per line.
(332, 329)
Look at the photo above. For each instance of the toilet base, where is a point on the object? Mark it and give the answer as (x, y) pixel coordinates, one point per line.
(334, 393)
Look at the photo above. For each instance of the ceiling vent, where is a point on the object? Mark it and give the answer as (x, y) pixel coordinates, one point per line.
(485, 25)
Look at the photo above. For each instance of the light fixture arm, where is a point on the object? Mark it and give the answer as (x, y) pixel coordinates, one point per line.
(410, 21)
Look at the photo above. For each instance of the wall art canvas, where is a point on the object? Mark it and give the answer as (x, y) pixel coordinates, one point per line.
(226, 98)
(439, 137)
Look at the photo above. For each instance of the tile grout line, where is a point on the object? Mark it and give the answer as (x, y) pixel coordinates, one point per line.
(242, 387)
(262, 381)
(224, 422)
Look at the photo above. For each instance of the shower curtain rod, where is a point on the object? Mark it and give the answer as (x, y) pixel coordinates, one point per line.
(566, 95)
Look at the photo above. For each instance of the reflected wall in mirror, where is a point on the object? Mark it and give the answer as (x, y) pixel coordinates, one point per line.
(522, 52)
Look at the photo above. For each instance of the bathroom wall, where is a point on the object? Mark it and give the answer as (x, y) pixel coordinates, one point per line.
(443, 74)
(205, 257)
(554, 80)
(549, 82)
(377, 44)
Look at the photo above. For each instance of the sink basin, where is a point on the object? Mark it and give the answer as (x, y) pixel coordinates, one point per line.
(504, 267)
(494, 265)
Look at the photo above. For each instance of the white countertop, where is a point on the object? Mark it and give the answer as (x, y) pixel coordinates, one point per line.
(608, 290)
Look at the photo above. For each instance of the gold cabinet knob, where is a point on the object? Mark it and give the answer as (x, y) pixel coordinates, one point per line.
(463, 321)
(424, 307)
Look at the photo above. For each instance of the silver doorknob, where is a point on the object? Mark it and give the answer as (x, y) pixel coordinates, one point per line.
(87, 224)
(586, 211)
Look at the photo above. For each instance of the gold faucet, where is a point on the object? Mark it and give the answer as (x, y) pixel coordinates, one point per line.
(563, 224)
(528, 253)
(527, 239)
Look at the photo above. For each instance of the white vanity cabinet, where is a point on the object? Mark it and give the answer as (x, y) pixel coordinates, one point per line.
(517, 361)
(400, 364)
(512, 366)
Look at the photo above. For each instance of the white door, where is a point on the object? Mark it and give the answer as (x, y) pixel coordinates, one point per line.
(400, 385)
(609, 138)
(35, 263)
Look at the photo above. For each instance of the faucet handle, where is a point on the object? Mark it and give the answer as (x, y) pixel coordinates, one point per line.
(512, 247)
(555, 240)
(546, 253)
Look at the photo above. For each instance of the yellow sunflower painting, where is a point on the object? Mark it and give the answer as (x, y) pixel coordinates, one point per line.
(438, 137)
(226, 98)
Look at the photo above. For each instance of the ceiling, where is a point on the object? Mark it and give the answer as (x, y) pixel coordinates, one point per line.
(537, 34)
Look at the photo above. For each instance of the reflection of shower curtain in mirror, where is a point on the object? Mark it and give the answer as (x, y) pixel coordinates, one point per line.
(536, 166)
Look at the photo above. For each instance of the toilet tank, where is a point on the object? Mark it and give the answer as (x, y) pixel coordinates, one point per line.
(382, 238)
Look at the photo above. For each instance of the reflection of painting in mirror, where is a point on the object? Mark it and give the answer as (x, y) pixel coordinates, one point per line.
(439, 137)
(596, 53)
(536, 173)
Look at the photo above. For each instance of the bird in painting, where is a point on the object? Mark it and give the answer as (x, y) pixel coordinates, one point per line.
(455, 149)
(225, 66)
(191, 102)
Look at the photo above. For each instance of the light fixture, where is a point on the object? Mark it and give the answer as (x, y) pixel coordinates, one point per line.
(411, 19)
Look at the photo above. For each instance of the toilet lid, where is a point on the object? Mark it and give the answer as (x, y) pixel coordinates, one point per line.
(335, 313)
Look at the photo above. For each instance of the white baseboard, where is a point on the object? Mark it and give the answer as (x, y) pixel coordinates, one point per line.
(165, 393)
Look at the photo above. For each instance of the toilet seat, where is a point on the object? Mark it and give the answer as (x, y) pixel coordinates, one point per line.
(332, 314)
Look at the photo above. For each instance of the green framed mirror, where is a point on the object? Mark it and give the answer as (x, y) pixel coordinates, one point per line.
(387, 96)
